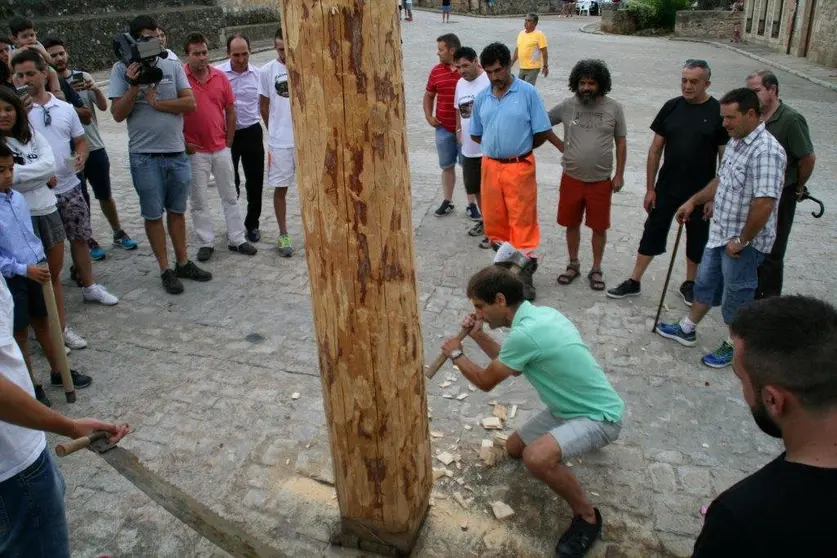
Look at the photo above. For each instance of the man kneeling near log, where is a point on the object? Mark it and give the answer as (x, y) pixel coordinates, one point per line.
(582, 413)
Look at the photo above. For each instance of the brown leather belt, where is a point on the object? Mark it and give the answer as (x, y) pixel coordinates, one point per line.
(517, 159)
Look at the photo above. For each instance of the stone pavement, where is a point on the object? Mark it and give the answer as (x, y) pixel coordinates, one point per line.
(206, 378)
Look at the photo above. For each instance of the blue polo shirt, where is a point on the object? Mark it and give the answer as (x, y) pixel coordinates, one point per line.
(508, 125)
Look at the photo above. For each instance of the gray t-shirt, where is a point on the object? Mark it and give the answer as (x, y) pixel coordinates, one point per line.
(589, 133)
(91, 131)
(150, 130)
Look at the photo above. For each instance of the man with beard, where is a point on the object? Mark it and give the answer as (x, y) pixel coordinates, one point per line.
(593, 123)
(583, 412)
(690, 130)
(785, 348)
(509, 120)
(743, 198)
(791, 129)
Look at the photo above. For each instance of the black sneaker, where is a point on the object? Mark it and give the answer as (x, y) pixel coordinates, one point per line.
(171, 283)
(473, 212)
(477, 230)
(204, 253)
(79, 380)
(687, 291)
(253, 235)
(628, 287)
(190, 271)
(445, 209)
(41, 396)
(579, 538)
(244, 248)
(485, 243)
(529, 292)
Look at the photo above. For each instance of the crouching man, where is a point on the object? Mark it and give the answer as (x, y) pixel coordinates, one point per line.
(582, 413)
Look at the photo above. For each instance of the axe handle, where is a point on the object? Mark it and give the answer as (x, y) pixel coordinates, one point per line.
(58, 340)
(442, 358)
(66, 448)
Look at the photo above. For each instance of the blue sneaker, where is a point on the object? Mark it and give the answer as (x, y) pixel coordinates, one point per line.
(96, 252)
(122, 240)
(674, 331)
(720, 357)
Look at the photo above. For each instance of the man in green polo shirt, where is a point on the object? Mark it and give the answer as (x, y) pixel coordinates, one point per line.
(582, 413)
(791, 129)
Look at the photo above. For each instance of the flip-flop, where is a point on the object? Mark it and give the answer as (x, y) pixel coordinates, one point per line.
(566, 278)
(596, 284)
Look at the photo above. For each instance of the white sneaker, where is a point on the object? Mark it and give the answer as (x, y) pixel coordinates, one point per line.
(97, 293)
(73, 340)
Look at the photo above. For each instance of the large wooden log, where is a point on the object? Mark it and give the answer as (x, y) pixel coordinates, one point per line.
(347, 98)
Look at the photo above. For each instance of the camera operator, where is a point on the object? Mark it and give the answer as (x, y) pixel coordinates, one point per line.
(160, 168)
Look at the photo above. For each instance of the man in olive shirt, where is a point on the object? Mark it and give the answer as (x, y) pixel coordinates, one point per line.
(582, 413)
(791, 129)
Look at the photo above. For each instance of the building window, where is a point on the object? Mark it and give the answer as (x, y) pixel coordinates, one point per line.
(763, 16)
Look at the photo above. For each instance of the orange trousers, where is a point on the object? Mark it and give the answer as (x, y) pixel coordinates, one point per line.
(510, 203)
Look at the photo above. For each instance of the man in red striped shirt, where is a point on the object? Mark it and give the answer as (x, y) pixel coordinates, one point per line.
(441, 87)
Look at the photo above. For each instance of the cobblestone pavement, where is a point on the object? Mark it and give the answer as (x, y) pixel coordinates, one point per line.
(206, 378)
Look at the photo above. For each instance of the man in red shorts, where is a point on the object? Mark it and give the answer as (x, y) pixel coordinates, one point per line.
(593, 123)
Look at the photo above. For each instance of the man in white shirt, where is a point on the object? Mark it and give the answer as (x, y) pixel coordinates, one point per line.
(473, 80)
(275, 106)
(248, 143)
(58, 122)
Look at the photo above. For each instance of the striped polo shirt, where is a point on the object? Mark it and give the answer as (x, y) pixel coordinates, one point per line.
(442, 82)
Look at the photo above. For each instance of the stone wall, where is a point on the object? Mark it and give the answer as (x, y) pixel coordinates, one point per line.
(616, 21)
(249, 12)
(823, 46)
(500, 6)
(707, 24)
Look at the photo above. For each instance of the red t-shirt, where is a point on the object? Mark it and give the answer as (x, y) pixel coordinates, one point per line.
(442, 82)
(207, 126)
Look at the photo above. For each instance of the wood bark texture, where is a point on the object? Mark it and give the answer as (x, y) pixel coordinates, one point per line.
(347, 98)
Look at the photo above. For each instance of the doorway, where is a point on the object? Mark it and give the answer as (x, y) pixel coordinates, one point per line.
(809, 30)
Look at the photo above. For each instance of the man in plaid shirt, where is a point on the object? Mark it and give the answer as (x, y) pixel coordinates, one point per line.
(743, 229)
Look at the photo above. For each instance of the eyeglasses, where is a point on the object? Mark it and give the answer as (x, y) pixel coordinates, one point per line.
(47, 117)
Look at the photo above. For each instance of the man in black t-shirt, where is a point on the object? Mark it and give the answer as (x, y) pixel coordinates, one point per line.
(689, 133)
(785, 349)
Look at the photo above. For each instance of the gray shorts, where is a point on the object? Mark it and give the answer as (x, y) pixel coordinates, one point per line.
(49, 228)
(574, 436)
(530, 76)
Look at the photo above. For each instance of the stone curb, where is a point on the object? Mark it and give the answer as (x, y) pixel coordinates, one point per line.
(594, 28)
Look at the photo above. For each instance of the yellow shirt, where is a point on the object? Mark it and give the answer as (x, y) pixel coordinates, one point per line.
(529, 47)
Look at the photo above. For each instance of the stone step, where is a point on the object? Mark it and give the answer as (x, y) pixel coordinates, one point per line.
(258, 32)
(56, 8)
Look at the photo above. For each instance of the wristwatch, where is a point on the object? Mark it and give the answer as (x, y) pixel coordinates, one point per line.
(455, 354)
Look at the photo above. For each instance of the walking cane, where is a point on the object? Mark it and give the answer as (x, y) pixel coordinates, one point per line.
(668, 276)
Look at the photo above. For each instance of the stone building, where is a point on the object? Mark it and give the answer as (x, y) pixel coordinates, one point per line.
(804, 28)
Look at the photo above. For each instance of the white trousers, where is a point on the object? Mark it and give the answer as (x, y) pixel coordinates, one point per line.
(218, 164)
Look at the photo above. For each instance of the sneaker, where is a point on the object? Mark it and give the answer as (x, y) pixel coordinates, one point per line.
(629, 287)
(190, 271)
(579, 538)
(253, 235)
(720, 357)
(477, 230)
(97, 293)
(41, 396)
(687, 291)
(675, 332)
(96, 252)
(284, 244)
(73, 340)
(529, 292)
(122, 240)
(445, 209)
(79, 380)
(171, 283)
(473, 212)
(74, 276)
(485, 243)
(244, 248)
(204, 253)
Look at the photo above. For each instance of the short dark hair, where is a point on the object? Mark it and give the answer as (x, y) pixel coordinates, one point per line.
(465, 52)
(6, 40)
(486, 284)
(235, 36)
(278, 35)
(50, 42)
(745, 97)
(693, 63)
(495, 52)
(791, 342)
(140, 24)
(593, 69)
(450, 40)
(533, 16)
(21, 131)
(194, 39)
(19, 23)
(4, 149)
(768, 79)
(29, 56)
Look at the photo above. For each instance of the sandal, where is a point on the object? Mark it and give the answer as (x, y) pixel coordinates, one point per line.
(596, 284)
(573, 271)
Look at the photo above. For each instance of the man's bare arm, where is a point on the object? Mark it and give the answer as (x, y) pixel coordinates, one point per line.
(806, 169)
(760, 211)
(484, 378)
(707, 194)
(652, 163)
(487, 343)
(264, 108)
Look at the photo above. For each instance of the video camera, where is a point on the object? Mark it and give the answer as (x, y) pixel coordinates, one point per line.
(145, 52)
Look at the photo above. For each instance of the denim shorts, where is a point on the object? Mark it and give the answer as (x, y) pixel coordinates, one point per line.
(446, 147)
(33, 521)
(574, 436)
(727, 282)
(162, 181)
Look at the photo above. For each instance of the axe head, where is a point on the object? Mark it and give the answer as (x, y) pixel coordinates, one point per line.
(512, 258)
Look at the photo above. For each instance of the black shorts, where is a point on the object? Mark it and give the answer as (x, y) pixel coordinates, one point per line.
(472, 174)
(97, 172)
(658, 224)
(28, 297)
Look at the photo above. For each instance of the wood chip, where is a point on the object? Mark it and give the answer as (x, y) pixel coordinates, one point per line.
(439, 472)
(501, 413)
(460, 481)
(445, 458)
(492, 403)
(287, 462)
(455, 367)
(472, 388)
(462, 501)
(464, 525)
(494, 456)
(492, 423)
(485, 449)
(447, 396)
(295, 395)
(438, 496)
(436, 434)
(513, 411)
(443, 385)
(462, 396)
(501, 438)
(467, 427)
(501, 510)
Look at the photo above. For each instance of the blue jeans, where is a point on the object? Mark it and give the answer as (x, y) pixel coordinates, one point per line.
(727, 282)
(446, 148)
(33, 522)
(162, 181)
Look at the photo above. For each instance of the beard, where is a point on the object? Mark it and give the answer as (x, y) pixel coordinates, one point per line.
(586, 98)
(764, 421)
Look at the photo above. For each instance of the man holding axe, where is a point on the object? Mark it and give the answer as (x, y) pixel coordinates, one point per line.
(582, 413)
